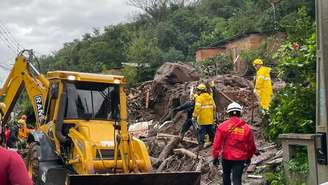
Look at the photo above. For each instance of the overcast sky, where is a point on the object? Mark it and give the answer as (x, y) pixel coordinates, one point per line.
(44, 25)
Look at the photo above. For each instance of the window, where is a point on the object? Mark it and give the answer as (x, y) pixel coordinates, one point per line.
(87, 100)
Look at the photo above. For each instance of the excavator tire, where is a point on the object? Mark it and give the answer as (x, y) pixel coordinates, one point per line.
(33, 162)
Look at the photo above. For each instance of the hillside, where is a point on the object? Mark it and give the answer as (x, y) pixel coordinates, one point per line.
(171, 31)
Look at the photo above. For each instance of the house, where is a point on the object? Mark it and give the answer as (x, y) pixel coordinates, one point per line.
(234, 46)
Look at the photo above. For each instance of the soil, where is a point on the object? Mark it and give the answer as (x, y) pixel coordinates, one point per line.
(154, 100)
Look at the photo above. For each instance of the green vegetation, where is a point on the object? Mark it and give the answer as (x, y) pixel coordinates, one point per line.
(170, 31)
(293, 108)
(215, 66)
(276, 177)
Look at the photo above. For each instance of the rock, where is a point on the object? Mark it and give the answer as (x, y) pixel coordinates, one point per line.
(172, 73)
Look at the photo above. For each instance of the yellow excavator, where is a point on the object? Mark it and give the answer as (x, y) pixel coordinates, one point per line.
(81, 135)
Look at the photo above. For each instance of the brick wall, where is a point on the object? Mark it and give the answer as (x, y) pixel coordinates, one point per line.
(205, 53)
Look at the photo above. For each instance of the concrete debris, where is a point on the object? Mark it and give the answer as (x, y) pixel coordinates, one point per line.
(154, 100)
(140, 129)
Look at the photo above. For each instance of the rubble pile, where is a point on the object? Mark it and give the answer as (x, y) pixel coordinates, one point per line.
(153, 102)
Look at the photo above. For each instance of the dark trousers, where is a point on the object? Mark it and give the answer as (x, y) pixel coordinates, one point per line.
(236, 167)
(203, 130)
(186, 126)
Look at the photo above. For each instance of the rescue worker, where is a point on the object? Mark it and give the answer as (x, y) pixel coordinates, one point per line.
(7, 134)
(233, 144)
(189, 108)
(13, 137)
(23, 130)
(12, 169)
(204, 113)
(263, 86)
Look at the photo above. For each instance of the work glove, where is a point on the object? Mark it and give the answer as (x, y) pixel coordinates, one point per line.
(216, 162)
(195, 124)
(247, 162)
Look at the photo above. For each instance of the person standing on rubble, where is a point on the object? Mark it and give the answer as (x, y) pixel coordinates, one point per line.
(23, 130)
(263, 85)
(234, 144)
(204, 114)
(189, 108)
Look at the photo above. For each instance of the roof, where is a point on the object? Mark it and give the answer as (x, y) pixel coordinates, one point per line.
(88, 77)
(221, 43)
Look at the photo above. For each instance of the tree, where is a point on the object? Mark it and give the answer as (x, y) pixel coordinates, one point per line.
(298, 25)
(219, 8)
(172, 55)
(145, 54)
(157, 9)
(293, 108)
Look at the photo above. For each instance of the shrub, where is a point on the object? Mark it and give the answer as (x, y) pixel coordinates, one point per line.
(217, 65)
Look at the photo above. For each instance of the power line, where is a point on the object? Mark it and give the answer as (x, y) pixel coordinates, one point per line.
(11, 35)
(6, 39)
(7, 43)
(9, 38)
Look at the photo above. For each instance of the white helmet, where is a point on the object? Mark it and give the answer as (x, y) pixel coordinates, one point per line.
(234, 107)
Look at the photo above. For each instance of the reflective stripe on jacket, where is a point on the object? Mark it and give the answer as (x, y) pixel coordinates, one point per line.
(204, 109)
(263, 86)
(234, 140)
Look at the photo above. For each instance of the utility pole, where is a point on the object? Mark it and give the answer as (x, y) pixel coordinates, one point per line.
(322, 88)
(273, 4)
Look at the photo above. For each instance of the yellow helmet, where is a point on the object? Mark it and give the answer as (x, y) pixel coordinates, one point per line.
(212, 84)
(257, 62)
(201, 87)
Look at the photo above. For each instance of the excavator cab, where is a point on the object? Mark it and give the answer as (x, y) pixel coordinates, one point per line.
(81, 135)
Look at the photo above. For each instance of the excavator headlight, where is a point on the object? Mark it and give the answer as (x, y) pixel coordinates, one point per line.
(71, 77)
(117, 81)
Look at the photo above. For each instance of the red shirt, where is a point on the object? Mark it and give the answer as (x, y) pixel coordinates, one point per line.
(234, 140)
(7, 134)
(12, 169)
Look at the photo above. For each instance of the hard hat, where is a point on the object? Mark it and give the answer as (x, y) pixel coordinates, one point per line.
(212, 84)
(201, 87)
(234, 107)
(257, 62)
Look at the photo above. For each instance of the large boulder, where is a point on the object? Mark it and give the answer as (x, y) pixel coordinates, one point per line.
(166, 78)
(172, 73)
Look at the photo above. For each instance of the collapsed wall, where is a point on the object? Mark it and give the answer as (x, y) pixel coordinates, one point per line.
(171, 87)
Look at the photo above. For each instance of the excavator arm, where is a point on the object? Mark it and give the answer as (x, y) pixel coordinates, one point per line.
(24, 76)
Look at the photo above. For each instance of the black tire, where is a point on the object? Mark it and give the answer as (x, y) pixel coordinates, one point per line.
(33, 162)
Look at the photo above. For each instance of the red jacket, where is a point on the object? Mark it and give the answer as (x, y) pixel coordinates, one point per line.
(234, 140)
(7, 134)
(12, 169)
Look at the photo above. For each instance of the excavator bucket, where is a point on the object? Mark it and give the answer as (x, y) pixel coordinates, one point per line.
(179, 178)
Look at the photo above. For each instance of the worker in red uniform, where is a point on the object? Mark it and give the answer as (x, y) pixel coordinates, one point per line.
(7, 134)
(12, 169)
(234, 144)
